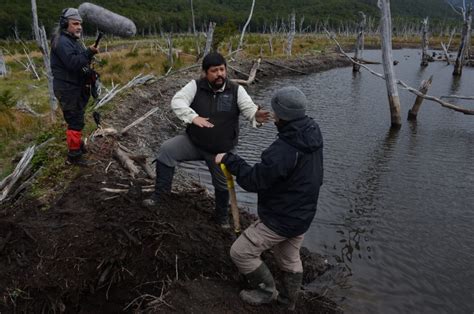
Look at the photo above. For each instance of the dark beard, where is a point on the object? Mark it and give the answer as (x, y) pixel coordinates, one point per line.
(218, 86)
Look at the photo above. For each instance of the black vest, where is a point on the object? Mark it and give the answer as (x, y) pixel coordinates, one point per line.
(222, 110)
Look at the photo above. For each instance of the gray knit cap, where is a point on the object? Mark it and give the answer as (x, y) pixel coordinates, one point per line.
(289, 103)
(73, 14)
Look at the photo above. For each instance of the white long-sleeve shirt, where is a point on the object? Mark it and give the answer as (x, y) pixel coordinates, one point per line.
(181, 103)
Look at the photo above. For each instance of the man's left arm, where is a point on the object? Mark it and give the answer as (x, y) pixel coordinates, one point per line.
(250, 110)
(276, 163)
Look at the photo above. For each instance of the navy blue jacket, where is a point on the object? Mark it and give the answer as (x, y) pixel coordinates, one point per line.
(287, 179)
(69, 59)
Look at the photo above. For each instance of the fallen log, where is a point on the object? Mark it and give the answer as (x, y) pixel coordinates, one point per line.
(126, 162)
(285, 67)
(12, 179)
(252, 75)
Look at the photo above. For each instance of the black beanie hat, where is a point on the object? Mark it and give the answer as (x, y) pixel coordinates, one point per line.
(212, 59)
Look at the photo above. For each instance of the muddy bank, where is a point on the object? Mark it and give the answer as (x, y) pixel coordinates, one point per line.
(92, 251)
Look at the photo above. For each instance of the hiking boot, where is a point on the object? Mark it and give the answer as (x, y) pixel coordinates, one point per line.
(264, 291)
(289, 292)
(83, 148)
(164, 180)
(76, 158)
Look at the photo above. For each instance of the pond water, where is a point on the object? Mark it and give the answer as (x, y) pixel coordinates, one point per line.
(396, 211)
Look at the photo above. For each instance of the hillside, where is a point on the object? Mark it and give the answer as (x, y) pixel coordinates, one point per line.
(153, 15)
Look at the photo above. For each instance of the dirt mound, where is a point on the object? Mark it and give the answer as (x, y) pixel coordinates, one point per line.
(93, 251)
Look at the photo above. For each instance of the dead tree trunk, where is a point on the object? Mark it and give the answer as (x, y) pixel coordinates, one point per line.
(42, 41)
(359, 48)
(196, 36)
(170, 50)
(386, 39)
(291, 34)
(424, 43)
(209, 35)
(413, 112)
(3, 67)
(465, 40)
(245, 26)
(446, 48)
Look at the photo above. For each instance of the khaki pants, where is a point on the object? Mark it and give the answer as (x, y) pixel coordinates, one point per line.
(246, 250)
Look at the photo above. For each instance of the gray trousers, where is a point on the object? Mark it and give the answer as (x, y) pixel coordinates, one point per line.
(180, 148)
(249, 246)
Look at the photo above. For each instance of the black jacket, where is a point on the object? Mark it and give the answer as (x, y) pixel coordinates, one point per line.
(69, 62)
(287, 179)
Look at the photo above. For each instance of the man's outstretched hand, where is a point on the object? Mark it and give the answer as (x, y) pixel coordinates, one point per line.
(202, 122)
(262, 116)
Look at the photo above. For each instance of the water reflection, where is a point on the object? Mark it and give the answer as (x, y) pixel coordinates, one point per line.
(358, 227)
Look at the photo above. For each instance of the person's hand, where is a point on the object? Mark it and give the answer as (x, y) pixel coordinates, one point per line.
(202, 122)
(219, 158)
(94, 50)
(262, 116)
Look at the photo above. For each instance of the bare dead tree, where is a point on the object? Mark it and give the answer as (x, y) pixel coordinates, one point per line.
(270, 39)
(386, 38)
(245, 26)
(209, 35)
(300, 28)
(359, 48)
(446, 48)
(291, 34)
(409, 88)
(466, 13)
(169, 41)
(42, 41)
(424, 43)
(413, 112)
(196, 35)
(3, 67)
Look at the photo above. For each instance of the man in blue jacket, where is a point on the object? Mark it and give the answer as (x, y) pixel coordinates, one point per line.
(287, 181)
(70, 64)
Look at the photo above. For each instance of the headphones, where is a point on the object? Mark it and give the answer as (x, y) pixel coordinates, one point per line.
(63, 21)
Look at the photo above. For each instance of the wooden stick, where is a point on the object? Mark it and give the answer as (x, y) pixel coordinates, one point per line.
(139, 120)
(233, 198)
(458, 97)
(126, 162)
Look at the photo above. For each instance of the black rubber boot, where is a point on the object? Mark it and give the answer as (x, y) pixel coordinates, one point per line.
(83, 147)
(164, 180)
(222, 208)
(264, 287)
(291, 285)
(75, 157)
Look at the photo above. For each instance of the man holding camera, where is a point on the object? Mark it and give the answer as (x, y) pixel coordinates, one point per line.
(70, 64)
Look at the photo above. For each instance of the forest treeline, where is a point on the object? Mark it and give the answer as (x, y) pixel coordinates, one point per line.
(155, 16)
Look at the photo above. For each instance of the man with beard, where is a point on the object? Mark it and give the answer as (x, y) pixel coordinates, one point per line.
(211, 106)
(70, 64)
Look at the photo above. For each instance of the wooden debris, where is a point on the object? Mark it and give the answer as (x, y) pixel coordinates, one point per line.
(285, 67)
(7, 184)
(252, 75)
(413, 112)
(404, 85)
